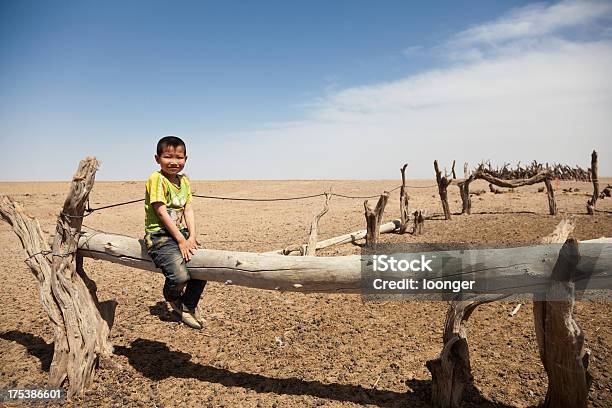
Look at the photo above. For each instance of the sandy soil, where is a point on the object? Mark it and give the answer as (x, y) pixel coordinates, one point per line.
(337, 349)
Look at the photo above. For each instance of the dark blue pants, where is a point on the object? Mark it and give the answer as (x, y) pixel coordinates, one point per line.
(166, 255)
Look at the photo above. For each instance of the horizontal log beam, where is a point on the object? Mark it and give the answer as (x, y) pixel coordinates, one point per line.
(538, 178)
(521, 270)
(351, 237)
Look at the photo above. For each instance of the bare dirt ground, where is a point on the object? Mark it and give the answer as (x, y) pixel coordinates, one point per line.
(337, 350)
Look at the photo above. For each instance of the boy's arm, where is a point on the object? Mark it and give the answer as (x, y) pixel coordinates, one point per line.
(190, 221)
(185, 246)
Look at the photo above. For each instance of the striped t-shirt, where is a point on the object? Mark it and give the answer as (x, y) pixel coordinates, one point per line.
(160, 189)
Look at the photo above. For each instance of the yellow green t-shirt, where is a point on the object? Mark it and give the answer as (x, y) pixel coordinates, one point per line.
(160, 189)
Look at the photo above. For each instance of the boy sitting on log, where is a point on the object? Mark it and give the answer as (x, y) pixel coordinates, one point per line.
(170, 229)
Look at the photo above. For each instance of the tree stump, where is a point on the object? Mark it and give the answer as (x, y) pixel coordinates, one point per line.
(81, 325)
(373, 218)
(403, 202)
(443, 183)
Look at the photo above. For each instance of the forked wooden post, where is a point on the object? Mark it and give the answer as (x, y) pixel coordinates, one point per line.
(373, 218)
(451, 371)
(80, 330)
(403, 202)
(311, 248)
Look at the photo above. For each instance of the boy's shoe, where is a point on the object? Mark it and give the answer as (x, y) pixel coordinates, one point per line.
(187, 316)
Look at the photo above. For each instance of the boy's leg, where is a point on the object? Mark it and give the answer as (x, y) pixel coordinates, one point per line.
(167, 256)
(193, 292)
(194, 287)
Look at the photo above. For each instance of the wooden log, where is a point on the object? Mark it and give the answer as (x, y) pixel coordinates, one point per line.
(373, 219)
(538, 178)
(594, 178)
(403, 202)
(343, 274)
(311, 248)
(351, 237)
(451, 371)
(443, 183)
(453, 170)
(81, 332)
(541, 177)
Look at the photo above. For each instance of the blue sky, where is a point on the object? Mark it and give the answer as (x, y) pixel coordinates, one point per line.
(277, 89)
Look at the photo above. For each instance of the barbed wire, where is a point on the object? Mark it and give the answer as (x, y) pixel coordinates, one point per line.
(89, 210)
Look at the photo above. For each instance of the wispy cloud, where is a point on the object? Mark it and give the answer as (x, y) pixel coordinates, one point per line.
(412, 50)
(533, 21)
(542, 95)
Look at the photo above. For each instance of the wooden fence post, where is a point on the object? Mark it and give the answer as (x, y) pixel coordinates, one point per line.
(451, 371)
(550, 192)
(443, 183)
(373, 218)
(403, 202)
(81, 325)
(593, 201)
(311, 248)
(560, 339)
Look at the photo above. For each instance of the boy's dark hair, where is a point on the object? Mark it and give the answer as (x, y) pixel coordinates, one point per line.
(172, 141)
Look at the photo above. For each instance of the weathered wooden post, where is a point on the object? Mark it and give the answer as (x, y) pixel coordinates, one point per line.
(419, 221)
(550, 192)
(81, 325)
(373, 218)
(451, 371)
(464, 190)
(443, 183)
(593, 201)
(311, 248)
(403, 202)
(560, 339)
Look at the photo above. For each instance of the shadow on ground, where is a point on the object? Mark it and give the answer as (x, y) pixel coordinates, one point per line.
(154, 360)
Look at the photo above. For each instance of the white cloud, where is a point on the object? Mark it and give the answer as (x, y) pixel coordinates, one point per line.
(539, 96)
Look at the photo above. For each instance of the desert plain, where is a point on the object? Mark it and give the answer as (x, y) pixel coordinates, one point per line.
(269, 349)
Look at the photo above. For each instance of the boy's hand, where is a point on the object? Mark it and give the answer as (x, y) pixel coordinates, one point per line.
(187, 248)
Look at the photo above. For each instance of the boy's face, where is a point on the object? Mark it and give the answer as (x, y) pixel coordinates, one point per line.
(172, 160)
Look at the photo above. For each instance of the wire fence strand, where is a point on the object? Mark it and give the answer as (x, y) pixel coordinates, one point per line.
(90, 210)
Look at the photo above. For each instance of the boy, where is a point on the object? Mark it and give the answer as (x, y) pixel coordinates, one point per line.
(170, 229)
